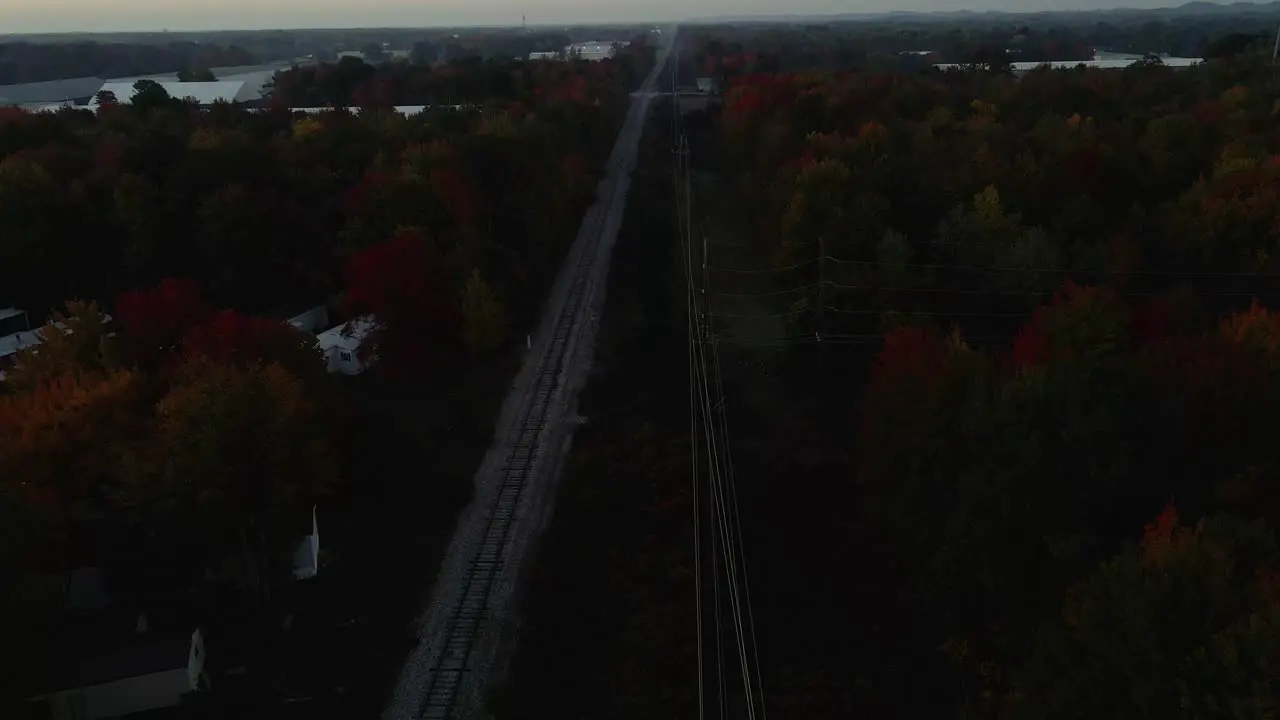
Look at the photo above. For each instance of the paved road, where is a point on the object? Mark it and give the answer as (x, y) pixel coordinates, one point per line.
(469, 626)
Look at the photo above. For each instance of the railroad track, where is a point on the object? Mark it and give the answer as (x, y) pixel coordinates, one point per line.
(466, 623)
(469, 610)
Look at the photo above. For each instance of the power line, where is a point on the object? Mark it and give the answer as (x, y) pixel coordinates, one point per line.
(725, 527)
(1050, 271)
(786, 341)
(777, 293)
(763, 316)
(744, 271)
(928, 313)
(1000, 268)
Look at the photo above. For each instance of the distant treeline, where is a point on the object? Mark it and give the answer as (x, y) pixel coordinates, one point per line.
(23, 62)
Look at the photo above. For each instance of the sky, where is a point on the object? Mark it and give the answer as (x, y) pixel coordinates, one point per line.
(32, 16)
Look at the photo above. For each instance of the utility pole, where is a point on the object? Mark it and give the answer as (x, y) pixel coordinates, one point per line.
(822, 286)
(822, 305)
(688, 211)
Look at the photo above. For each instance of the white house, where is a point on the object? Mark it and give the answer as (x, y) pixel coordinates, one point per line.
(149, 673)
(306, 559)
(341, 345)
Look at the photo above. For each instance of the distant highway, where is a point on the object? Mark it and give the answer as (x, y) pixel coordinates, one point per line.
(465, 631)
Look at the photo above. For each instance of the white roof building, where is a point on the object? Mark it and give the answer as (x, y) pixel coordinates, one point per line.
(341, 345)
(258, 77)
(51, 91)
(594, 49)
(50, 107)
(204, 93)
(311, 320)
(11, 344)
(402, 109)
(306, 558)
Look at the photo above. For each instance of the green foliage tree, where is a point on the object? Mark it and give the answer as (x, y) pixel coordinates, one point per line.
(1185, 624)
(149, 95)
(483, 316)
(196, 75)
(241, 453)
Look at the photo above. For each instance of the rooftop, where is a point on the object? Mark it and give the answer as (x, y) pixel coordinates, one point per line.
(347, 336)
(1107, 64)
(143, 655)
(49, 91)
(204, 93)
(10, 344)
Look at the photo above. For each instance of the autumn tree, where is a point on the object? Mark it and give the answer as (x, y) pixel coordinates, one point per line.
(76, 341)
(232, 338)
(153, 322)
(40, 216)
(1186, 623)
(241, 453)
(405, 285)
(483, 316)
(65, 443)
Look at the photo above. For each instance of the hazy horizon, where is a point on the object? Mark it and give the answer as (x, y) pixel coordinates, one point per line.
(63, 16)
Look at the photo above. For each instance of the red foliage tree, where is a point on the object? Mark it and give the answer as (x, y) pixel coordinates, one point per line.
(362, 193)
(1081, 322)
(455, 195)
(404, 283)
(230, 337)
(911, 378)
(910, 353)
(154, 321)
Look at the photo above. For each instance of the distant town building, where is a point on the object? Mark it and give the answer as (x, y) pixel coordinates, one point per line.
(594, 49)
(406, 110)
(1103, 63)
(590, 50)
